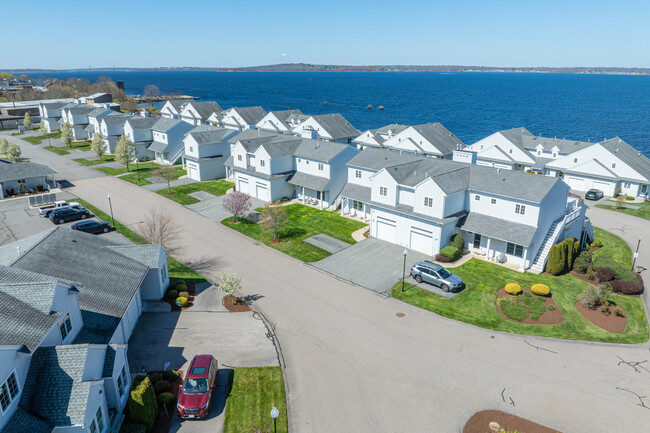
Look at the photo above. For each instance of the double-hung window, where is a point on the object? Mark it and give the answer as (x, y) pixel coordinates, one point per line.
(320, 166)
(122, 382)
(8, 391)
(357, 174)
(493, 201)
(520, 209)
(428, 201)
(65, 327)
(262, 163)
(238, 157)
(514, 250)
(477, 197)
(383, 191)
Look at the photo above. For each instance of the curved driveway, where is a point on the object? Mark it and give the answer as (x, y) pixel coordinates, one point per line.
(352, 365)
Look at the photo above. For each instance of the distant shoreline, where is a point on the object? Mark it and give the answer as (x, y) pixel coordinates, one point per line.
(305, 67)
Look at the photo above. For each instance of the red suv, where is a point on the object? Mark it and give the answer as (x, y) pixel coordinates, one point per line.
(195, 397)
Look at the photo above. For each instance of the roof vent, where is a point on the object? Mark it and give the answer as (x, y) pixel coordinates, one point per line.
(18, 249)
(498, 170)
(619, 140)
(616, 150)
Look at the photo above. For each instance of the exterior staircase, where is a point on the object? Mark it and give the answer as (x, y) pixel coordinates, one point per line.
(337, 203)
(549, 241)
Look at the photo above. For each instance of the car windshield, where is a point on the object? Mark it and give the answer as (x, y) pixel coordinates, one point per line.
(444, 273)
(195, 386)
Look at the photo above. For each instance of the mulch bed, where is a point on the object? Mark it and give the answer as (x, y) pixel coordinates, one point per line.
(584, 278)
(163, 422)
(172, 302)
(479, 423)
(611, 323)
(548, 318)
(239, 307)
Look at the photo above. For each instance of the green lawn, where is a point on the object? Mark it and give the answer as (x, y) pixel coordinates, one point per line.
(476, 304)
(80, 145)
(39, 138)
(177, 270)
(13, 134)
(88, 162)
(614, 247)
(302, 223)
(642, 212)
(255, 391)
(142, 167)
(180, 193)
(58, 150)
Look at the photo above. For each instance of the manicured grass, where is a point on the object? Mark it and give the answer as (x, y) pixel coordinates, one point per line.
(39, 138)
(255, 390)
(137, 179)
(180, 193)
(88, 162)
(614, 247)
(58, 150)
(642, 212)
(177, 270)
(476, 304)
(80, 145)
(303, 222)
(142, 167)
(13, 134)
(520, 307)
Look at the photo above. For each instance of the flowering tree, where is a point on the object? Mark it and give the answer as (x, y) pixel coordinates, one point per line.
(27, 121)
(238, 204)
(124, 151)
(98, 146)
(231, 284)
(66, 134)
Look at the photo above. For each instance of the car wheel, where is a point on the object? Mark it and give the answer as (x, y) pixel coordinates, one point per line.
(61, 221)
(445, 288)
(418, 279)
(84, 216)
(105, 230)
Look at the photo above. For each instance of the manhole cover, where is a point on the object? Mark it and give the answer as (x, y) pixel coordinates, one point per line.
(400, 314)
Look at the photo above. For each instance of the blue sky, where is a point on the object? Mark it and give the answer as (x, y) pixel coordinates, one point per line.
(145, 33)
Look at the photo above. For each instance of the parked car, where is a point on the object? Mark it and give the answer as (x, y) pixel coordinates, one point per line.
(435, 274)
(195, 397)
(68, 214)
(594, 194)
(60, 204)
(92, 226)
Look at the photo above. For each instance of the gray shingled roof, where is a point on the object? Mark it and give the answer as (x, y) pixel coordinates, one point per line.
(336, 126)
(110, 280)
(282, 145)
(165, 124)
(510, 183)
(76, 111)
(54, 105)
(319, 150)
(23, 421)
(109, 361)
(24, 170)
(248, 134)
(205, 108)
(356, 192)
(629, 155)
(284, 115)
(564, 146)
(251, 115)
(157, 146)
(376, 159)
(394, 128)
(148, 254)
(90, 128)
(178, 104)
(497, 228)
(309, 181)
(210, 136)
(115, 120)
(139, 122)
(516, 136)
(439, 136)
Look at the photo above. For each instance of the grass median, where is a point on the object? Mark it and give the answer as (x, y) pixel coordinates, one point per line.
(180, 194)
(642, 212)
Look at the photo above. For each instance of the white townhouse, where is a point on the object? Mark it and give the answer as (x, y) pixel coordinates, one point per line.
(63, 343)
(206, 150)
(328, 127)
(197, 113)
(168, 134)
(50, 113)
(377, 137)
(278, 121)
(420, 202)
(608, 165)
(112, 128)
(240, 118)
(172, 108)
(138, 130)
(430, 139)
(12, 174)
(77, 118)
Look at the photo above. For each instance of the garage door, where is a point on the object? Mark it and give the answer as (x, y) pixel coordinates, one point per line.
(261, 192)
(605, 187)
(576, 183)
(242, 186)
(422, 241)
(386, 230)
(192, 172)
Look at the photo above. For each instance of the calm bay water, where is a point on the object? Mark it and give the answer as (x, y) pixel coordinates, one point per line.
(471, 105)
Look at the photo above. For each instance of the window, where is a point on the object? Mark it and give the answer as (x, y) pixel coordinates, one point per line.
(514, 250)
(163, 272)
(520, 209)
(626, 185)
(554, 154)
(299, 160)
(99, 417)
(238, 157)
(539, 152)
(306, 162)
(65, 327)
(575, 159)
(493, 201)
(428, 201)
(357, 205)
(122, 382)
(613, 165)
(320, 166)
(262, 163)
(357, 174)
(8, 391)
(383, 190)
(93, 427)
(191, 149)
(477, 197)
(510, 151)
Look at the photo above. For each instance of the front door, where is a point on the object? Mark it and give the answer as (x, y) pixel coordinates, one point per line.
(477, 241)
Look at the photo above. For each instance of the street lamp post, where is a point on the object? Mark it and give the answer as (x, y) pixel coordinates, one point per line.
(405, 252)
(274, 414)
(111, 206)
(636, 253)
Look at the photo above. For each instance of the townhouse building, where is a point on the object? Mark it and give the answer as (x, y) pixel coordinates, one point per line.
(139, 130)
(238, 118)
(279, 121)
(377, 137)
(327, 127)
(206, 150)
(172, 108)
(198, 112)
(168, 134)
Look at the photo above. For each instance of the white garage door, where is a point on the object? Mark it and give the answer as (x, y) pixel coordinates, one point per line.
(605, 187)
(422, 241)
(386, 230)
(576, 183)
(242, 186)
(261, 192)
(192, 172)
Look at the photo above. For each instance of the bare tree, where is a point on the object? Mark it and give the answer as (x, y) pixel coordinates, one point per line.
(168, 173)
(151, 90)
(160, 228)
(238, 204)
(273, 217)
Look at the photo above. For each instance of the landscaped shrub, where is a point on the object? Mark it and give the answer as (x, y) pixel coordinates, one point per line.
(513, 288)
(605, 274)
(161, 386)
(540, 289)
(442, 258)
(595, 296)
(155, 377)
(10, 191)
(171, 375)
(180, 288)
(556, 263)
(166, 399)
(38, 187)
(582, 262)
(572, 251)
(458, 242)
(452, 252)
(185, 295)
(133, 428)
(617, 192)
(620, 272)
(173, 294)
(177, 282)
(181, 302)
(598, 243)
(142, 402)
(628, 287)
(590, 274)
(550, 307)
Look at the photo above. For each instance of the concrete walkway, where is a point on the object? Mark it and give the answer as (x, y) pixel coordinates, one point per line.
(157, 186)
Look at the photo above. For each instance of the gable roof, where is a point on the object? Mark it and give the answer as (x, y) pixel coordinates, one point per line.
(139, 122)
(439, 136)
(24, 170)
(250, 134)
(497, 228)
(281, 145)
(82, 110)
(251, 115)
(209, 136)
(563, 145)
(319, 150)
(376, 159)
(515, 135)
(165, 124)
(377, 134)
(147, 254)
(283, 116)
(204, 108)
(629, 155)
(336, 126)
(510, 183)
(115, 120)
(177, 104)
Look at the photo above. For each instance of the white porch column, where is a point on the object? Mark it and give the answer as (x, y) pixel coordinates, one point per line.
(303, 195)
(487, 254)
(344, 201)
(320, 201)
(364, 213)
(522, 266)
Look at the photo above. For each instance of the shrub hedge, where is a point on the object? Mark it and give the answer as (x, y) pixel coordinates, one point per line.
(162, 386)
(171, 375)
(540, 289)
(181, 287)
(181, 302)
(155, 377)
(458, 242)
(166, 399)
(184, 295)
(628, 287)
(133, 428)
(605, 274)
(442, 258)
(450, 251)
(620, 273)
(173, 294)
(562, 256)
(142, 402)
(513, 288)
(582, 262)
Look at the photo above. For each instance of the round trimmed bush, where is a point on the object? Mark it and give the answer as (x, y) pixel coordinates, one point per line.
(181, 302)
(133, 428)
(184, 295)
(513, 288)
(605, 274)
(173, 294)
(166, 399)
(171, 375)
(155, 377)
(181, 287)
(177, 282)
(162, 386)
(540, 289)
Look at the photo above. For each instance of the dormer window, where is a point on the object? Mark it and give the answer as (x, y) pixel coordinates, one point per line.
(65, 327)
(191, 149)
(383, 191)
(520, 209)
(428, 201)
(613, 165)
(539, 152)
(8, 391)
(238, 157)
(510, 151)
(554, 154)
(306, 161)
(575, 159)
(477, 197)
(262, 163)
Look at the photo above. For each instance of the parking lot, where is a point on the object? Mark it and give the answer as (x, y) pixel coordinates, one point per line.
(19, 220)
